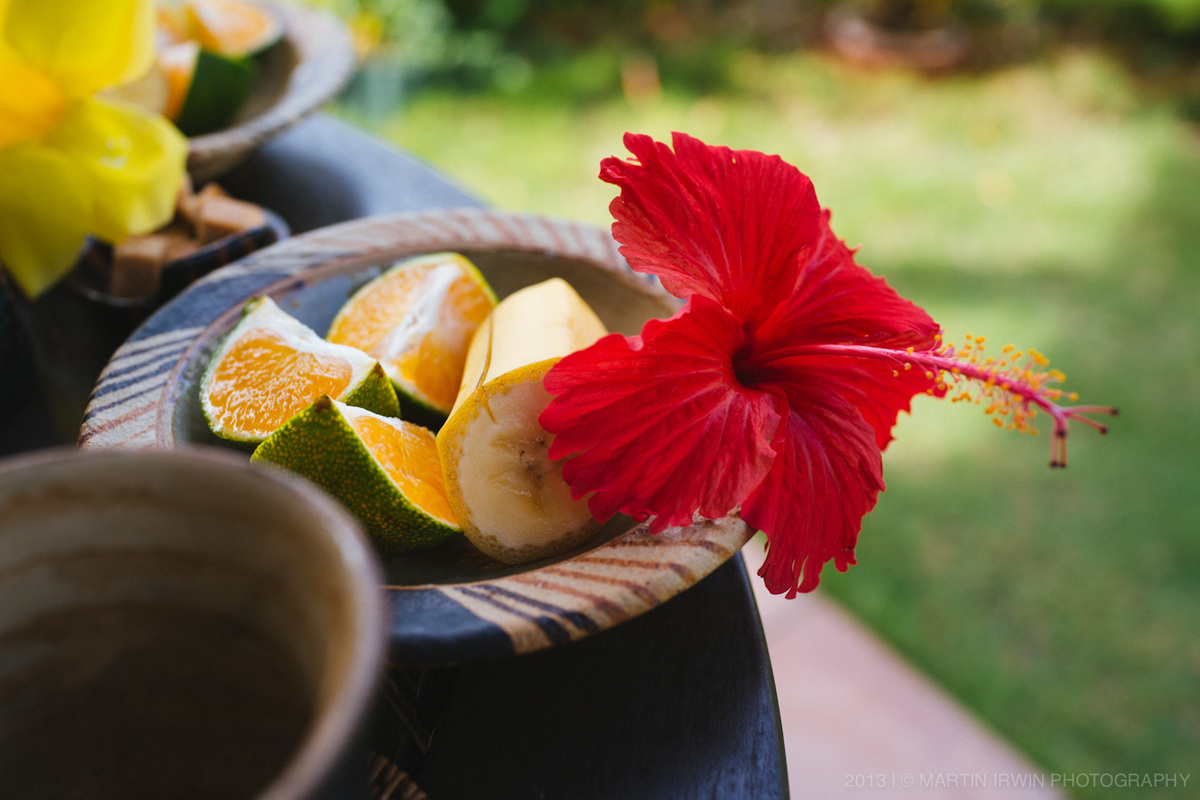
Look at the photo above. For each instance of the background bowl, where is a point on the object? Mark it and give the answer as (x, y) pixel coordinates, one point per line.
(450, 604)
(307, 68)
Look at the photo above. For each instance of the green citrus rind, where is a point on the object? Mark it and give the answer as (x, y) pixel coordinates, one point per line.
(369, 388)
(219, 88)
(417, 409)
(320, 444)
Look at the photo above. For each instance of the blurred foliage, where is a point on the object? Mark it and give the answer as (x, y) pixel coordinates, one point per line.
(416, 28)
(548, 25)
(484, 45)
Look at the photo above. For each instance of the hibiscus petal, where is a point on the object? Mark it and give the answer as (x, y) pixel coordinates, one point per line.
(839, 302)
(877, 389)
(44, 207)
(727, 224)
(658, 424)
(827, 475)
(133, 162)
(85, 45)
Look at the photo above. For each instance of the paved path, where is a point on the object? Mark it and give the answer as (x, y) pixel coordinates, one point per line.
(861, 722)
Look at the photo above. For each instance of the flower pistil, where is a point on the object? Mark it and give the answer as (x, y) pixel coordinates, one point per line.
(1012, 388)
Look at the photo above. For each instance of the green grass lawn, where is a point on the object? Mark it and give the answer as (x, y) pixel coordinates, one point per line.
(1051, 205)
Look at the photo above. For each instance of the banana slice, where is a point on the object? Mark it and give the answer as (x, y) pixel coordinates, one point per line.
(506, 493)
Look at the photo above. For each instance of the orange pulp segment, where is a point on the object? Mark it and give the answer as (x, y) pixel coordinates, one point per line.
(408, 454)
(271, 366)
(417, 319)
(281, 379)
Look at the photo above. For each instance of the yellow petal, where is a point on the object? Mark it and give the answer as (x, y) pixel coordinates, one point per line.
(85, 45)
(30, 103)
(44, 209)
(134, 162)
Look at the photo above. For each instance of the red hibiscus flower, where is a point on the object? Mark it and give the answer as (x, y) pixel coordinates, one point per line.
(775, 387)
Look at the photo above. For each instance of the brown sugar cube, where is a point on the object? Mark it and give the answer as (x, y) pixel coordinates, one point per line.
(136, 265)
(190, 203)
(218, 215)
(180, 241)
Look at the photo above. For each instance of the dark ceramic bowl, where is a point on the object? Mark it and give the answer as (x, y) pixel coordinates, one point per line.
(450, 604)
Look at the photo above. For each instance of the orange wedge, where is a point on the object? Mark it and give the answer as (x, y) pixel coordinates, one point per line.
(384, 470)
(417, 320)
(271, 366)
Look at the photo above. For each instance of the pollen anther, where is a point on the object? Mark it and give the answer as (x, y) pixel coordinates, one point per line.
(1012, 389)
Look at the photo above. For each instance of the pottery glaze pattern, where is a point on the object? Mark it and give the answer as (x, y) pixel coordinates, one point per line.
(449, 605)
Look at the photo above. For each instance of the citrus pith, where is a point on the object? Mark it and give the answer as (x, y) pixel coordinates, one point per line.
(271, 366)
(384, 470)
(417, 319)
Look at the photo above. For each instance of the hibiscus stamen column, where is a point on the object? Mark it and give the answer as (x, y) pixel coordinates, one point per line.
(1013, 387)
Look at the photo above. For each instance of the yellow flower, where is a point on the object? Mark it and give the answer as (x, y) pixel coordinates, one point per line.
(71, 162)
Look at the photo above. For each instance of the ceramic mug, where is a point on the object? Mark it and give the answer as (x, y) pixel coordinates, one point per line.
(179, 624)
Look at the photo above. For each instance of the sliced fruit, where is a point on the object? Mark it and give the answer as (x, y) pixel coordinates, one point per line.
(271, 366)
(216, 87)
(199, 91)
(384, 470)
(506, 493)
(417, 319)
(176, 64)
(233, 28)
(205, 66)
